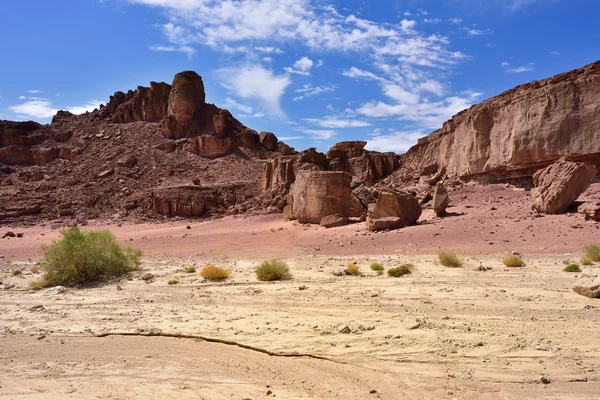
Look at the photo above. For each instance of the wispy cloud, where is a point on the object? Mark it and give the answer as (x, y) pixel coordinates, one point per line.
(336, 123)
(517, 70)
(309, 91)
(40, 108)
(476, 32)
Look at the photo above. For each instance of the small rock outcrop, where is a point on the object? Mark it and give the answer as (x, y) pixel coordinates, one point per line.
(560, 184)
(441, 200)
(333, 221)
(365, 166)
(394, 210)
(588, 285)
(317, 194)
(178, 201)
(268, 140)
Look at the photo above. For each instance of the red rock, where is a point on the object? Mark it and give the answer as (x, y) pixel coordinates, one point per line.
(560, 184)
(441, 200)
(590, 210)
(268, 140)
(333, 221)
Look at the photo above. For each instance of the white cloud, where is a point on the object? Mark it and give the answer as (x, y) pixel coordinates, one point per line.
(476, 32)
(22, 97)
(432, 20)
(318, 134)
(555, 53)
(336, 123)
(456, 20)
(357, 73)
(41, 108)
(520, 70)
(397, 141)
(268, 50)
(288, 138)
(169, 49)
(505, 64)
(309, 91)
(256, 82)
(301, 67)
(34, 91)
(234, 105)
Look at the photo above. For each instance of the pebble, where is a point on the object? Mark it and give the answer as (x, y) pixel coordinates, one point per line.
(544, 380)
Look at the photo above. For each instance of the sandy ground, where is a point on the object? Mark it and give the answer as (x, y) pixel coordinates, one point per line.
(477, 335)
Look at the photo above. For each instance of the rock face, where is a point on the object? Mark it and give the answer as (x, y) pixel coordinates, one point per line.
(333, 221)
(178, 202)
(590, 210)
(316, 194)
(145, 104)
(441, 200)
(393, 210)
(560, 184)
(519, 131)
(365, 166)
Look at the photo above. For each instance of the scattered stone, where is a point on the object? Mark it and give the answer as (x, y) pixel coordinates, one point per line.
(55, 291)
(39, 307)
(544, 380)
(41, 337)
(339, 273)
(9, 234)
(106, 173)
(9, 286)
(344, 328)
(373, 391)
(303, 287)
(393, 210)
(590, 210)
(119, 288)
(147, 277)
(445, 317)
(412, 325)
(332, 221)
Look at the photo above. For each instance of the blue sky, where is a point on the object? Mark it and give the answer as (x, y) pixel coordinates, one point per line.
(315, 72)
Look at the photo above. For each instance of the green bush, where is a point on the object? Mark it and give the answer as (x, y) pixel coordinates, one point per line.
(586, 261)
(173, 282)
(513, 261)
(573, 267)
(377, 268)
(593, 252)
(190, 270)
(80, 257)
(273, 270)
(400, 271)
(17, 272)
(449, 259)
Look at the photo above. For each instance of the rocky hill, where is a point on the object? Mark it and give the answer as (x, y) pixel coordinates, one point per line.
(162, 151)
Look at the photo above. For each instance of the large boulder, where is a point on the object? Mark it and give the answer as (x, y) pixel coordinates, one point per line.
(560, 184)
(441, 200)
(402, 208)
(588, 286)
(590, 210)
(268, 140)
(316, 194)
(211, 147)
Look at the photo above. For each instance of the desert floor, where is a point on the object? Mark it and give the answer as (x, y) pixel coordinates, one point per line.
(440, 333)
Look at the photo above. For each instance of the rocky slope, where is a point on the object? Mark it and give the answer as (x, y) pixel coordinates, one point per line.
(518, 132)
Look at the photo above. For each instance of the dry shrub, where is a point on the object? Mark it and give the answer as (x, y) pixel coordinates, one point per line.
(572, 267)
(593, 252)
(190, 270)
(513, 261)
(273, 270)
(214, 273)
(353, 269)
(586, 261)
(449, 259)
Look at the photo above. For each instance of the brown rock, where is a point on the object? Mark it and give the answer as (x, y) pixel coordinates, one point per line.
(441, 200)
(106, 173)
(268, 140)
(186, 99)
(333, 221)
(590, 210)
(212, 147)
(384, 224)
(560, 184)
(316, 194)
(397, 204)
(284, 149)
(127, 161)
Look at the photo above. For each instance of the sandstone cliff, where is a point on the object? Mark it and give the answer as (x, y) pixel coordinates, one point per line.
(518, 132)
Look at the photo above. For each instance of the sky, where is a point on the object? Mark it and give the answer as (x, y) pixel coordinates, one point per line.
(314, 72)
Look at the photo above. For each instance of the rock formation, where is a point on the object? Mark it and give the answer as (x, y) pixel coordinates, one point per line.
(588, 284)
(517, 132)
(560, 184)
(317, 194)
(590, 210)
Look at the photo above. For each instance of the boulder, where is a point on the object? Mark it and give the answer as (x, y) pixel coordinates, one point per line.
(268, 140)
(285, 149)
(403, 208)
(210, 147)
(590, 210)
(560, 184)
(441, 200)
(589, 287)
(127, 161)
(316, 194)
(332, 221)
